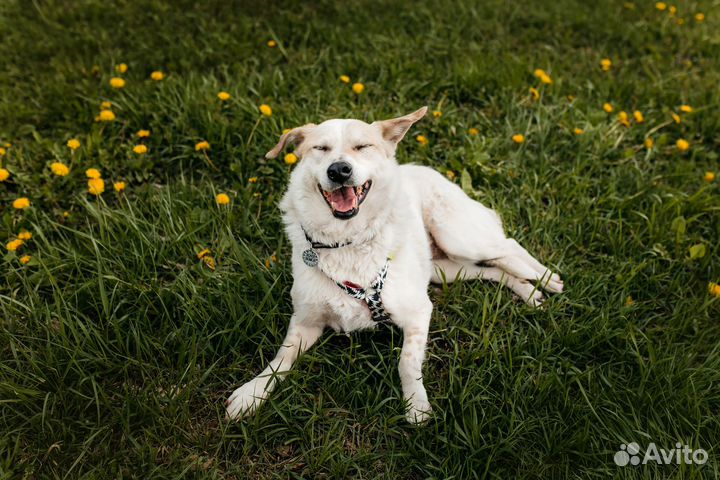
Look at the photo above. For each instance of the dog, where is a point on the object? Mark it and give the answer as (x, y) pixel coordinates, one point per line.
(368, 236)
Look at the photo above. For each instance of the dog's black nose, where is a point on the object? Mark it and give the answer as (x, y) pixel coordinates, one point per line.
(339, 172)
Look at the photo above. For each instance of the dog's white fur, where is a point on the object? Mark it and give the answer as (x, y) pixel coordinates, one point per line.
(426, 224)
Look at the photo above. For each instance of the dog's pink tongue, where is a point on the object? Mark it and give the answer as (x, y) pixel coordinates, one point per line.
(343, 199)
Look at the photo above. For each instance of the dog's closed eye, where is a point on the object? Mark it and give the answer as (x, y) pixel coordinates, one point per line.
(362, 146)
(322, 148)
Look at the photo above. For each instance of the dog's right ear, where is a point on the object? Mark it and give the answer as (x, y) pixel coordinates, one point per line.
(394, 130)
(293, 137)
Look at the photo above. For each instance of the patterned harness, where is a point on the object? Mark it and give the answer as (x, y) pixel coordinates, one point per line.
(371, 295)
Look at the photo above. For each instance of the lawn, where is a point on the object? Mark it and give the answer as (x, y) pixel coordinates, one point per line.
(121, 335)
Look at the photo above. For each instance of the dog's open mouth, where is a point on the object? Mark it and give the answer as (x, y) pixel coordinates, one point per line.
(345, 201)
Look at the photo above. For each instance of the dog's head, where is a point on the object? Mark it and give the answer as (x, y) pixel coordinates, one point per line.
(347, 168)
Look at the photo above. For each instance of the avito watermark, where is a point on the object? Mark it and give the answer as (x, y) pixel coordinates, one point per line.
(682, 454)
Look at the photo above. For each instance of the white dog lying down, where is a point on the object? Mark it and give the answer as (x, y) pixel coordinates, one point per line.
(368, 235)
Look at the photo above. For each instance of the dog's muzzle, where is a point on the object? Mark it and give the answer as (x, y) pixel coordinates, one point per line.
(345, 201)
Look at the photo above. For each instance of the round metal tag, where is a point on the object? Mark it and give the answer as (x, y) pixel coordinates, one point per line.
(310, 257)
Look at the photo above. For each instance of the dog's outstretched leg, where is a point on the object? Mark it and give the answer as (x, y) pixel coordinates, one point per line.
(300, 336)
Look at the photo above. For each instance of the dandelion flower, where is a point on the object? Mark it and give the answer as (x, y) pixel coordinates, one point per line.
(473, 131)
(209, 261)
(140, 149)
(204, 145)
(157, 75)
(272, 43)
(4, 174)
(265, 110)
(608, 108)
(106, 116)
(699, 17)
(518, 138)
(59, 169)
(222, 199)
(143, 133)
(93, 173)
(437, 114)
(539, 72)
(203, 252)
(119, 186)
(649, 142)
(13, 245)
(686, 108)
(578, 131)
(358, 88)
(253, 179)
(661, 6)
(24, 235)
(672, 10)
(73, 144)
(122, 68)
(546, 79)
(96, 186)
(682, 145)
(2, 151)
(21, 203)
(291, 158)
(450, 175)
(606, 64)
(25, 259)
(675, 117)
(106, 105)
(422, 140)
(535, 93)
(344, 79)
(709, 177)
(117, 82)
(223, 96)
(714, 289)
(66, 214)
(639, 118)
(623, 118)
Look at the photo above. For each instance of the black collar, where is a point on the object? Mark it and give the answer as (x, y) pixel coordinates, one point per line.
(323, 245)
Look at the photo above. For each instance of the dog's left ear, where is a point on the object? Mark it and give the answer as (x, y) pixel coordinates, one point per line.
(395, 129)
(293, 137)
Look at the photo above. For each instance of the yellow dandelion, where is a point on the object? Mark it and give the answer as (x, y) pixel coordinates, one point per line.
(358, 88)
(73, 144)
(661, 6)
(204, 145)
(450, 175)
(672, 10)
(608, 108)
(96, 186)
(686, 108)
(714, 289)
(223, 96)
(140, 149)
(629, 302)
(578, 131)
(222, 199)
(24, 235)
(209, 261)
(253, 179)
(117, 82)
(59, 169)
(649, 142)
(682, 145)
(518, 138)
(119, 186)
(157, 75)
(546, 79)
(539, 72)
(2, 151)
(473, 131)
(639, 117)
(66, 214)
(4, 174)
(422, 140)
(709, 177)
(344, 78)
(535, 93)
(203, 252)
(437, 114)
(606, 64)
(699, 17)
(105, 105)
(25, 259)
(106, 116)
(291, 158)
(143, 133)
(265, 110)
(93, 173)
(272, 43)
(624, 118)
(122, 68)
(13, 245)
(21, 203)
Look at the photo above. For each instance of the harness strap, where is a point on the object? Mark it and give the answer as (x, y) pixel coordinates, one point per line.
(370, 295)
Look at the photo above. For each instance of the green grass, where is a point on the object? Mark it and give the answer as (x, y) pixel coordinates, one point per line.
(118, 346)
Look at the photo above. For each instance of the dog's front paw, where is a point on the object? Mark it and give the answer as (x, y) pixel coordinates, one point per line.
(244, 400)
(418, 411)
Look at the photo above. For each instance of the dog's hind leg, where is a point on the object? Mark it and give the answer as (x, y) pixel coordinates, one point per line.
(247, 398)
(448, 270)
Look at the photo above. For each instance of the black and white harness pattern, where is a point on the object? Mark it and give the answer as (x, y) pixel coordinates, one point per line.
(371, 295)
